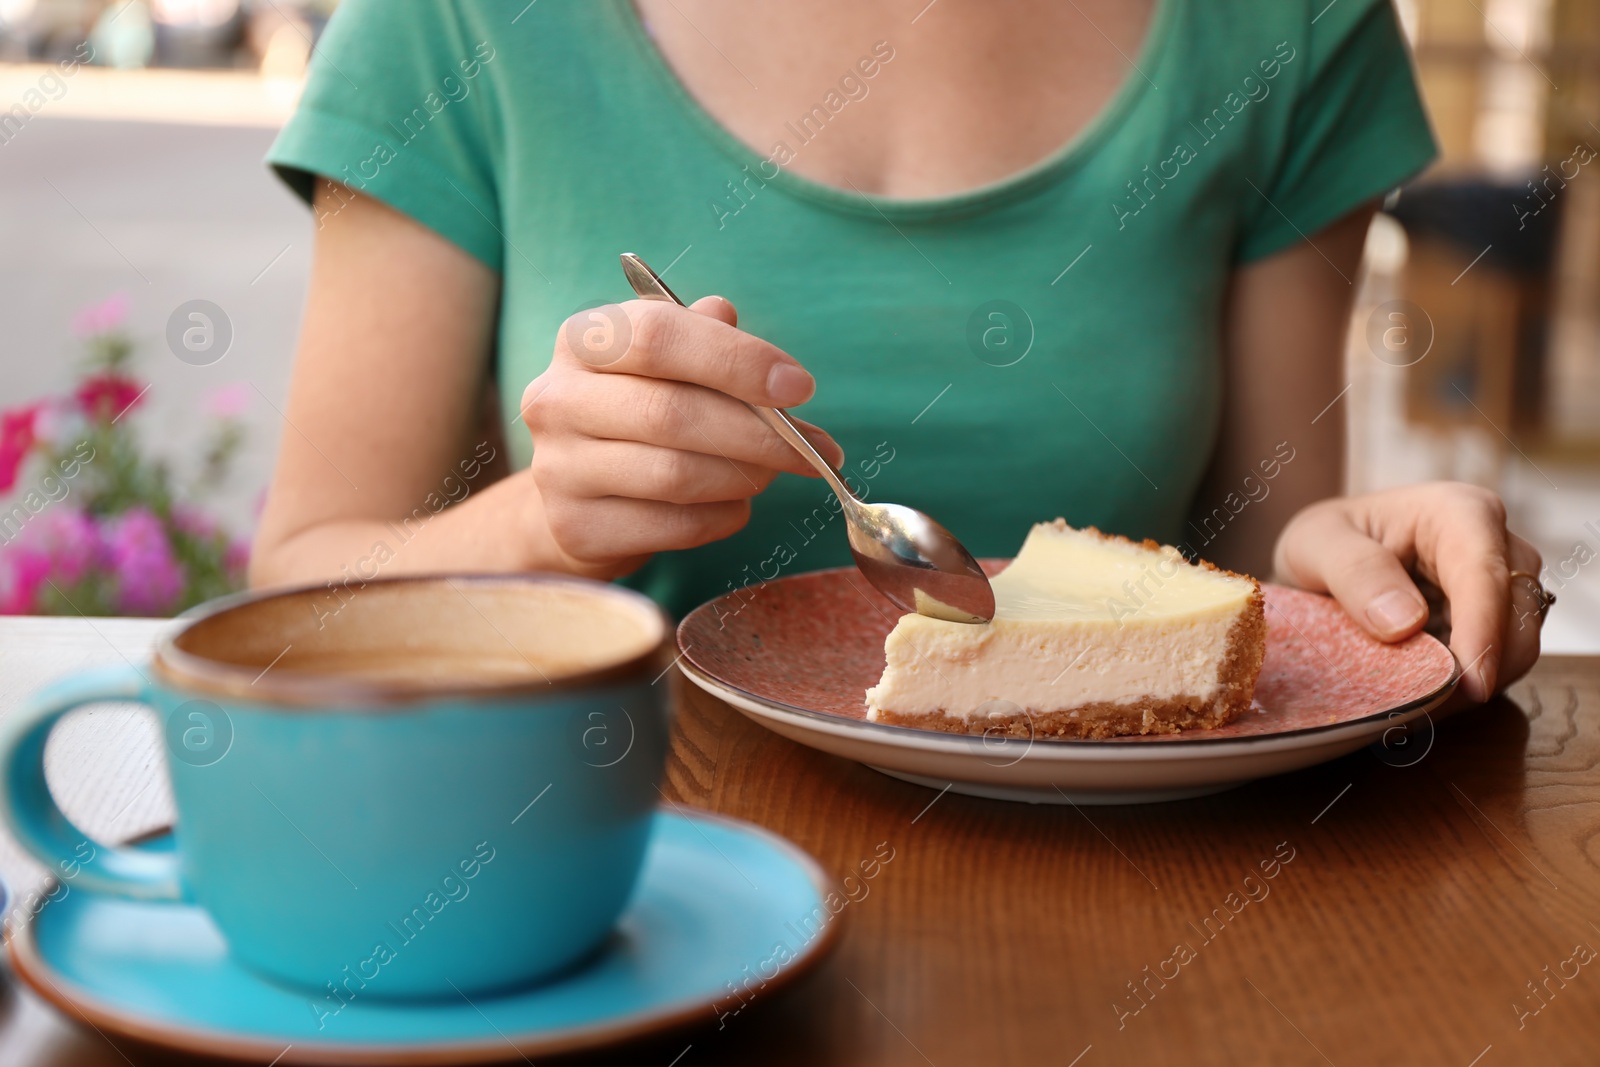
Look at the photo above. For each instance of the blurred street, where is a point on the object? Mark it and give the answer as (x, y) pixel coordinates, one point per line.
(166, 213)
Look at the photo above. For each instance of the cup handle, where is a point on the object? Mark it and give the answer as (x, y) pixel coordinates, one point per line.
(29, 811)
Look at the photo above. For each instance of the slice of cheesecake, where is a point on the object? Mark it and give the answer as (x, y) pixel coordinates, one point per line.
(1093, 636)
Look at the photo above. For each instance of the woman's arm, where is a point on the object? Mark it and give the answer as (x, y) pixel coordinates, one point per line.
(385, 405)
(1283, 344)
(1286, 326)
(634, 452)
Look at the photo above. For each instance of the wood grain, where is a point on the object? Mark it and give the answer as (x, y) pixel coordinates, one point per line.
(1415, 910)
(1418, 903)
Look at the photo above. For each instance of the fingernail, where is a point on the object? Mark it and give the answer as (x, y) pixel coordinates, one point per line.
(1486, 672)
(789, 384)
(1396, 611)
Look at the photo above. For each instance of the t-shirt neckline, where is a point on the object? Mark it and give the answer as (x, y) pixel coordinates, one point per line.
(1046, 171)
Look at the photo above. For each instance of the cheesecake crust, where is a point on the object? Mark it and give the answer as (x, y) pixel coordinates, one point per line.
(1240, 668)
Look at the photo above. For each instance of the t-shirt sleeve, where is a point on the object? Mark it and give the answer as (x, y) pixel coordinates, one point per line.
(1357, 128)
(399, 104)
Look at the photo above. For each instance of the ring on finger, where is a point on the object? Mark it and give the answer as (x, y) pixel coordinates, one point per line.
(1545, 597)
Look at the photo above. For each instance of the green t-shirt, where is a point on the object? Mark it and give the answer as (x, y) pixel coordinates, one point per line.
(1046, 345)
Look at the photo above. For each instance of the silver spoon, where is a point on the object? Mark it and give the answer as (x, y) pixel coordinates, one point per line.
(912, 560)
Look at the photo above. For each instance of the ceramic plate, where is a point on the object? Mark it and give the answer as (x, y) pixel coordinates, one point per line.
(160, 973)
(797, 654)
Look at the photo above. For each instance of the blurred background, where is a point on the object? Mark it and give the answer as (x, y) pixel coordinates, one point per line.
(1475, 340)
(138, 218)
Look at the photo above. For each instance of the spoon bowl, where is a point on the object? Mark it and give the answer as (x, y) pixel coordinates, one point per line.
(917, 563)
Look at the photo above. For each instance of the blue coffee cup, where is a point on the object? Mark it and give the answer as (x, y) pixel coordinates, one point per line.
(411, 788)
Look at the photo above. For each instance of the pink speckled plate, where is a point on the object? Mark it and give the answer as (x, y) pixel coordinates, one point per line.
(797, 654)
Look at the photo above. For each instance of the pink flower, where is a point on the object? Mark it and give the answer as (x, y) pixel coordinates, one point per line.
(228, 401)
(138, 553)
(194, 522)
(22, 572)
(16, 439)
(68, 539)
(59, 545)
(103, 317)
(107, 396)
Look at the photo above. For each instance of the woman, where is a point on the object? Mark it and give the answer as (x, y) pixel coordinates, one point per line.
(1021, 260)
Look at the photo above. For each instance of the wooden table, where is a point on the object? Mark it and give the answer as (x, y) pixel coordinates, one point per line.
(1415, 906)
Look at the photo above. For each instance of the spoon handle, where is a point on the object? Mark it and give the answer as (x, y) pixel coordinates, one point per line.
(647, 285)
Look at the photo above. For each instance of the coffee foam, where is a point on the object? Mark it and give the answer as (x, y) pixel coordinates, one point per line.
(433, 633)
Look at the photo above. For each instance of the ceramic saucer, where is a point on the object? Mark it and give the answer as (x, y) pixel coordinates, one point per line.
(698, 927)
(797, 655)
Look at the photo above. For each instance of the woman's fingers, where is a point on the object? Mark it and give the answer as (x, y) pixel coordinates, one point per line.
(1454, 535)
(655, 339)
(671, 415)
(645, 472)
(1463, 543)
(1325, 551)
(717, 307)
(1520, 645)
(642, 438)
(615, 528)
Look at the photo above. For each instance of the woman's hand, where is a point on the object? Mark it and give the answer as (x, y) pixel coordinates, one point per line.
(1365, 549)
(640, 442)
